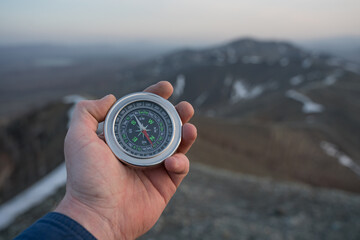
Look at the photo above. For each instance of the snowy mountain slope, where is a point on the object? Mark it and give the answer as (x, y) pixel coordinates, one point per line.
(269, 84)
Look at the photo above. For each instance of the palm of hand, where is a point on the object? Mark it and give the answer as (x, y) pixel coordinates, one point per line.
(106, 184)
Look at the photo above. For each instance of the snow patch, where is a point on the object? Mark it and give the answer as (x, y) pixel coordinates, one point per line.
(308, 105)
(32, 196)
(332, 151)
(330, 80)
(296, 80)
(179, 85)
(241, 92)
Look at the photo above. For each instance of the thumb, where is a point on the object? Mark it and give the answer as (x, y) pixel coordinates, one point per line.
(89, 113)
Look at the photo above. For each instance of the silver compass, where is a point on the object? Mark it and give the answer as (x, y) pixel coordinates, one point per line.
(142, 129)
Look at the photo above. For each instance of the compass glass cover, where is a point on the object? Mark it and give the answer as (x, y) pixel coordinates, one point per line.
(143, 129)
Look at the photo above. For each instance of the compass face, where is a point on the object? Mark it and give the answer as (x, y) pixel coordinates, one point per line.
(142, 129)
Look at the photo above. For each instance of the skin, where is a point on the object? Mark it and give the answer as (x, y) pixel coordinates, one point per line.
(111, 200)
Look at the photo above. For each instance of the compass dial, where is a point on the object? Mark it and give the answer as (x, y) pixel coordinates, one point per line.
(142, 129)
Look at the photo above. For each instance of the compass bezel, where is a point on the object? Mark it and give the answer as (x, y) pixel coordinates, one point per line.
(120, 152)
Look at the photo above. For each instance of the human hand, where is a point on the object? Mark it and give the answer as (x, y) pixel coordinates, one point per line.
(111, 200)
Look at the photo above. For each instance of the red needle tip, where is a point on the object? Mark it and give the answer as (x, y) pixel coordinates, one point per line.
(147, 136)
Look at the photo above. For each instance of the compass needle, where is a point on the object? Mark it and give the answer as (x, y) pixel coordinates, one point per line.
(139, 123)
(147, 137)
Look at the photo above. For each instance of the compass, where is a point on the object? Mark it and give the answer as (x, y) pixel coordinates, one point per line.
(142, 129)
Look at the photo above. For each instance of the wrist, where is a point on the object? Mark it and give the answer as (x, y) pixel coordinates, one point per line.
(88, 217)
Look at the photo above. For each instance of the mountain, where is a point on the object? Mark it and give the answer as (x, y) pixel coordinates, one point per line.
(242, 70)
(273, 108)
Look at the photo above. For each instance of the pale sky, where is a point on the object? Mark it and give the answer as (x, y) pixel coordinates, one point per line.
(178, 21)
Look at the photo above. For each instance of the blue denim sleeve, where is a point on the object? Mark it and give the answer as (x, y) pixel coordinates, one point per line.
(55, 226)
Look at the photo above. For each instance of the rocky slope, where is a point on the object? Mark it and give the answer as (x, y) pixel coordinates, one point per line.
(205, 208)
(218, 204)
(30, 147)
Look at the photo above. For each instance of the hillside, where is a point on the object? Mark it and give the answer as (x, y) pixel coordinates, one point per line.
(218, 204)
(279, 110)
(30, 147)
(276, 151)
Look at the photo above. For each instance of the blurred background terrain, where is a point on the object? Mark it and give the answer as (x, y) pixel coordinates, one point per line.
(277, 155)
